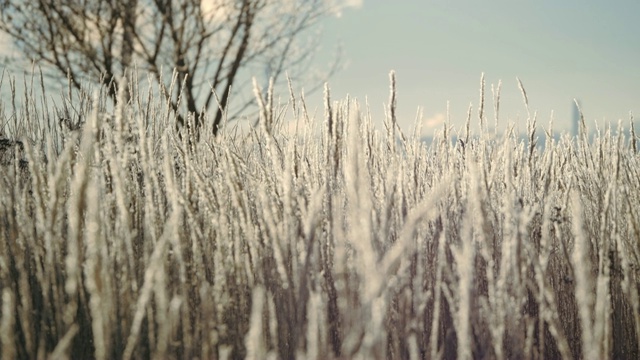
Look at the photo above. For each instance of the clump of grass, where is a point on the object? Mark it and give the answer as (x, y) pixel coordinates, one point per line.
(124, 237)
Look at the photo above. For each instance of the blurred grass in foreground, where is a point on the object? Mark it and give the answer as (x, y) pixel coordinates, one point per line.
(121, 238)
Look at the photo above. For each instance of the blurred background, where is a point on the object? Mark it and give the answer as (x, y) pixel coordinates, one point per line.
(560, 50)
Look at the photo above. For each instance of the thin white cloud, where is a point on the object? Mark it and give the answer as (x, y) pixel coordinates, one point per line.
(353, 3)
(219, 9)
(340, 5)
(435, 121)
(216, 10)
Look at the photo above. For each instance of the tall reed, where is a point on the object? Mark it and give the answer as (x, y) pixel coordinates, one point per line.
(123, 237)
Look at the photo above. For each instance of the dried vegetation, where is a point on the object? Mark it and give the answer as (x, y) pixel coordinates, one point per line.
(121, 239)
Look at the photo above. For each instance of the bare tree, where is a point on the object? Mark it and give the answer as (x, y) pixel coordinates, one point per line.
(212, 45)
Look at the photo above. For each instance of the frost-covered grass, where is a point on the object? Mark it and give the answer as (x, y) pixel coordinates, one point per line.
(121, 239)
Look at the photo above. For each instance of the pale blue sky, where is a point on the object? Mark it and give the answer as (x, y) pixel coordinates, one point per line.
(560, 49)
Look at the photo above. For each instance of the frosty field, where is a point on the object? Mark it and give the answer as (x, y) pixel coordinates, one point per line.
(330, 238)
